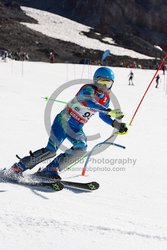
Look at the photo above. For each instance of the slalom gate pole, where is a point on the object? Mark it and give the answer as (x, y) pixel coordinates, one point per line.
(99, 145)
(159, 67)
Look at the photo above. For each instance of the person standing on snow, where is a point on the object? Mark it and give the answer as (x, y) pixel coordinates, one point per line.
(163, 68)
(131, 75)
(68, 124)
(157, 79)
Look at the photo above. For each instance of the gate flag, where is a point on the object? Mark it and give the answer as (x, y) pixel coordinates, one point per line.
(105, 54)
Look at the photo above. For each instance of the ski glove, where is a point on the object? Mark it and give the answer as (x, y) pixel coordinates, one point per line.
(115, 113)
(122, 128)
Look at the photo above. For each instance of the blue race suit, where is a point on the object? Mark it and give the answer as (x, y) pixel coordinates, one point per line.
(68, 123)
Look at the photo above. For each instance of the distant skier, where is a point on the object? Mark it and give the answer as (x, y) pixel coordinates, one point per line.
(163, 68)
(91, 98)
(131, 75)
(157, 79)
(52, 57)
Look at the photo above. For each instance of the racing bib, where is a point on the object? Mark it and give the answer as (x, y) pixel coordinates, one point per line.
(80, 113)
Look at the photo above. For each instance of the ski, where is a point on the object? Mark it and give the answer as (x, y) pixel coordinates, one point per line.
(89, 186)
(57, 185)
(54, 184)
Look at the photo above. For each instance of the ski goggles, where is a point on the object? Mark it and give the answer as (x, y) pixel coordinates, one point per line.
(105, 81)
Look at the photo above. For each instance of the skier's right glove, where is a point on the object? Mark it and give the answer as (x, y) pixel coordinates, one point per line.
(115, 113)
(122, 128)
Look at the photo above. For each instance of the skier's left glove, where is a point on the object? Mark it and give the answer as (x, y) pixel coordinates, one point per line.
(122, 127)
(115, 113)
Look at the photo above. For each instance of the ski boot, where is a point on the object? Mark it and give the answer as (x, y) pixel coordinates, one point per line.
(49, 173)
(17, 168)
(15, 172)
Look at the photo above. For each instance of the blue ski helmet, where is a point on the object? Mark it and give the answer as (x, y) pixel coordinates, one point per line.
(103, 79)
(103, 72)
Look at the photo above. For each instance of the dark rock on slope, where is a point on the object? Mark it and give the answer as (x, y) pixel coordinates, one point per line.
(124, 25)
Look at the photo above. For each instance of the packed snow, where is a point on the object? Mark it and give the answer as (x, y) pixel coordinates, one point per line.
(67, 30)
(129, 209)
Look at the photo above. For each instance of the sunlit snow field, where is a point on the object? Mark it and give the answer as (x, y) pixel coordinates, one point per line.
(67, 30)
(129, 209)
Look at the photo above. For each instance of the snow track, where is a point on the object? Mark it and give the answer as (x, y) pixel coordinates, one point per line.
(128, 211)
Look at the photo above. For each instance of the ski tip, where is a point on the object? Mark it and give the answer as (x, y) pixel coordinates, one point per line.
(93, 185)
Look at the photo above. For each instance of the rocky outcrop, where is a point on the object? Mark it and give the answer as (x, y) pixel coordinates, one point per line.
(146, 19)
(132, 24)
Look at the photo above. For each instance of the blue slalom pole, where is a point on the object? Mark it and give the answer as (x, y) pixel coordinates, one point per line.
(99, 145)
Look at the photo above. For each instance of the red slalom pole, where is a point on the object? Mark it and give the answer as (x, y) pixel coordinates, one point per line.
(159, 67)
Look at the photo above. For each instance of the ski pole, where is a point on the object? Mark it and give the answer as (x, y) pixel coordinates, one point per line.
(54, 100)
(63, 102)
(99, 145)
(88, 154)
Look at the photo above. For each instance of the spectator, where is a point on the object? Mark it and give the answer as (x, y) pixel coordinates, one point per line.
(157, 79)
(163, 68)
(131, 75)
(25, 56)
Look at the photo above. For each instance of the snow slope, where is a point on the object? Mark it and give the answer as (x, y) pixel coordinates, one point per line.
(129, 210)
(67, 30)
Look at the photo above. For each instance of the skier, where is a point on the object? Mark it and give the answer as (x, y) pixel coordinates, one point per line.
(52, 57)
(163, 68)
(157, 79)
(131, 75)
(91, 98)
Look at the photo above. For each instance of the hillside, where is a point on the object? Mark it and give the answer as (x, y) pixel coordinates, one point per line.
(16, 37)
(136, 24)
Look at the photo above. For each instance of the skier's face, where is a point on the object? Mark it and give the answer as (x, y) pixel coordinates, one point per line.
(104, 85)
